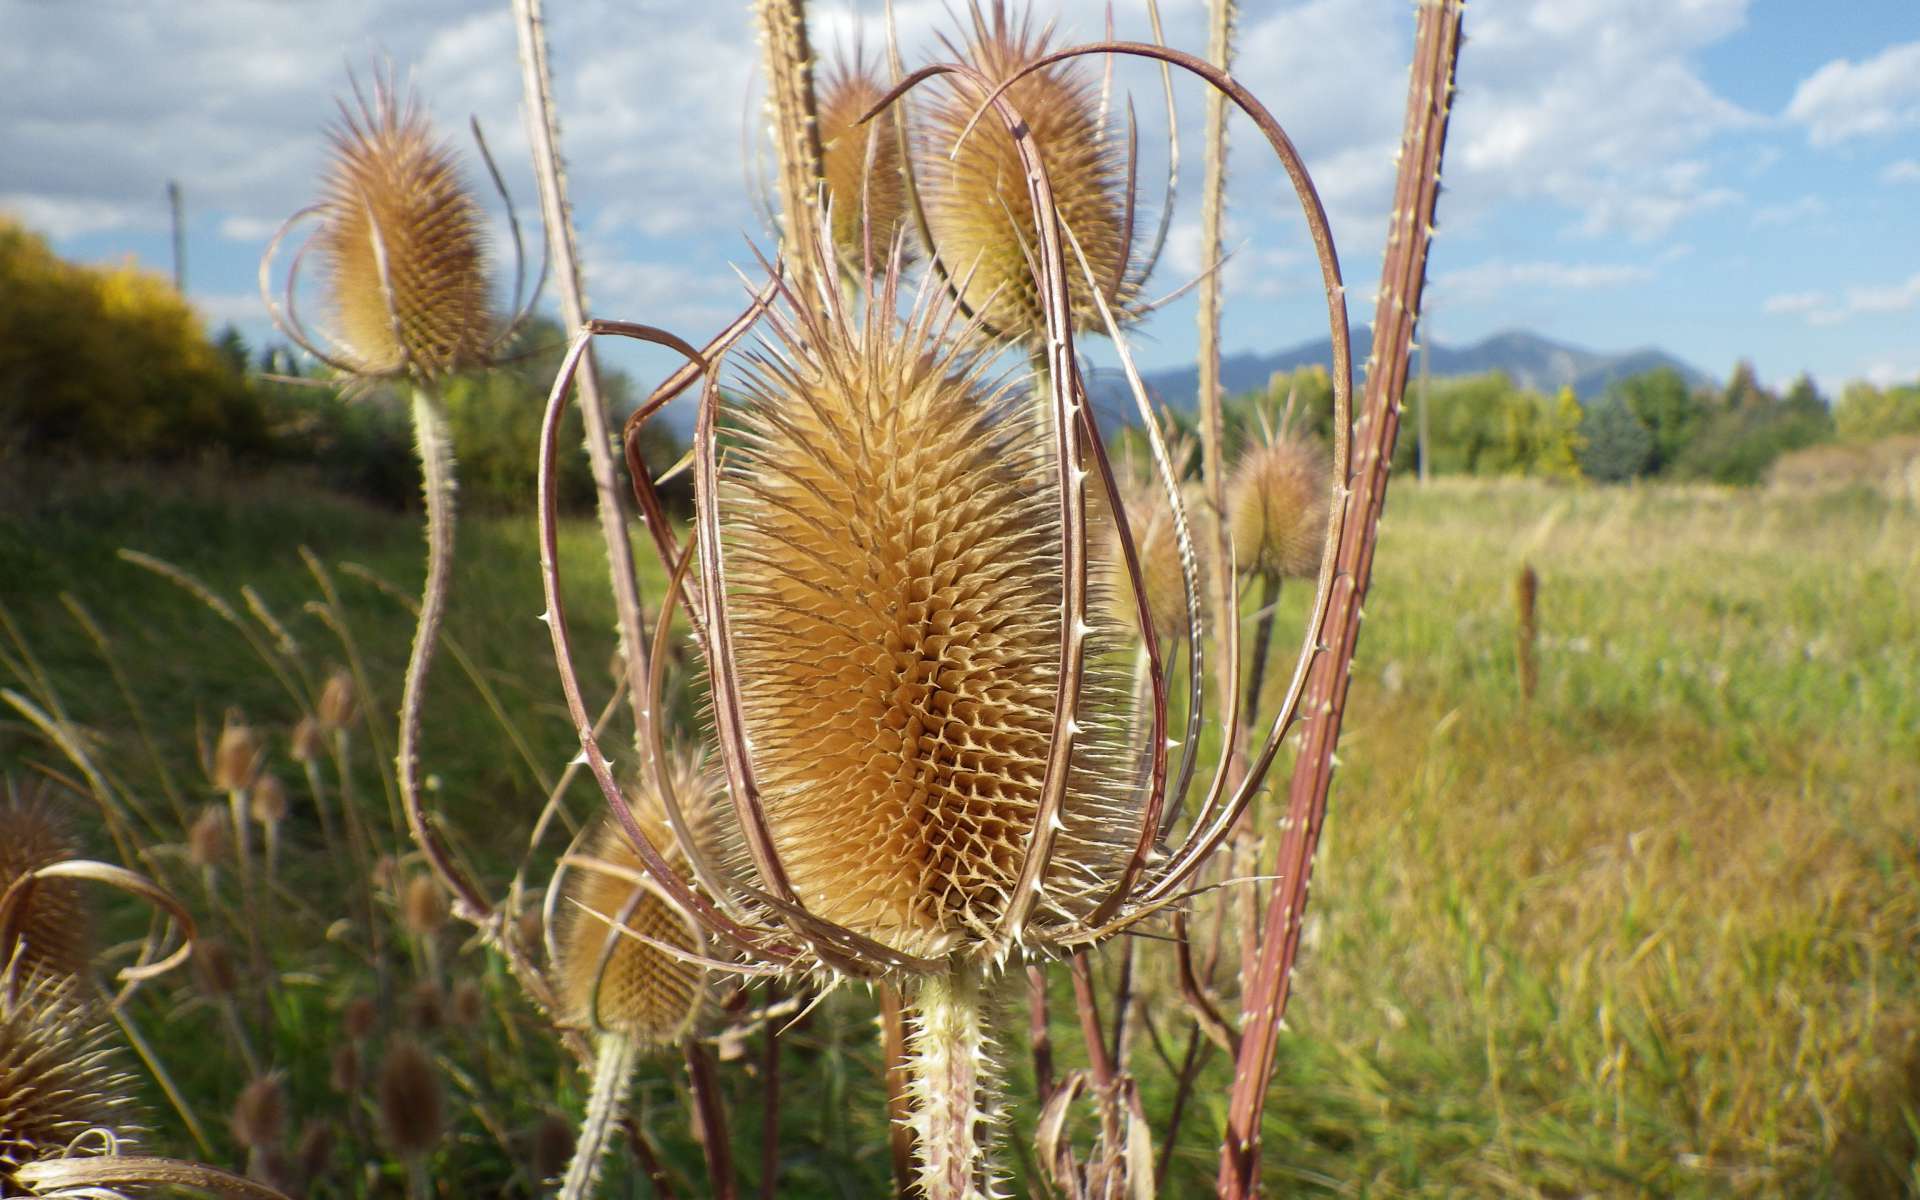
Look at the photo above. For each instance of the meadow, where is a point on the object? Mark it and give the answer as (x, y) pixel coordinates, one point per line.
(1654, 930)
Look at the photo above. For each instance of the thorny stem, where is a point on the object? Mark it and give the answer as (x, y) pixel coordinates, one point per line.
(796, 131)
(893, 1048)
(543, 128)
(1262, 643)
(1212, 426)
(770, 1115)
(709, 1120)
(1429, 101)
(612, 1070)
(950, 1062)
(435, 447)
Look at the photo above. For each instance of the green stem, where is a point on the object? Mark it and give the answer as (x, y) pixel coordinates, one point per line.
(954, 1087)
(612, 1070)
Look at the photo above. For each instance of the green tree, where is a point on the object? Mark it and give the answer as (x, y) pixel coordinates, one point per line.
(1867, 413)
(1661, 401)
(1617, 446)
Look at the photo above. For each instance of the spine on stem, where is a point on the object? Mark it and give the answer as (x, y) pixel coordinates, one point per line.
(612, 1069)
(954, 1087)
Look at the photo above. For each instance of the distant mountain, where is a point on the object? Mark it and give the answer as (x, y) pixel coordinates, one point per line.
(1528, 359)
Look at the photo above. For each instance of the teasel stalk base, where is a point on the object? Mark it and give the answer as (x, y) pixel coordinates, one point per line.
(955, 1087)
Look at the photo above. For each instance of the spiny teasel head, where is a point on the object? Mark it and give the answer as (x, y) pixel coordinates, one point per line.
(403, 240)
(423, 905)
(259, 1120)
(890, 523)
(412, 1104)
(1277, 507)
(607, 979)
(1156, 547)
(236, 755)
(979, 215)
(54, 935)
(861, 167)
(338, 704)
(210, 838)
(60, 1078)
(268, 800)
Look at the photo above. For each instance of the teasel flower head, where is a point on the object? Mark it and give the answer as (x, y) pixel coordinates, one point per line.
(412, 1102)
(236, 755)
(61, 1083)
(893, 545)
(606, 976)
(54, 935)
(866, 191)
(423, 905)
(978, 212)
(1277, 507)
(1157, 543)
(401, 239)
(268, 800)
(260, 1114)
(338, 704)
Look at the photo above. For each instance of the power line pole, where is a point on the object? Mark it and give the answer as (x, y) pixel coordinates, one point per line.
(179, 237)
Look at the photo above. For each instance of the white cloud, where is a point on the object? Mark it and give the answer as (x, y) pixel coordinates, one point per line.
(1818, 309)
(1787, 304)
(1497, 276)
(1845, 99)
(1788, 212)
(1906, 170)
(1889, 298)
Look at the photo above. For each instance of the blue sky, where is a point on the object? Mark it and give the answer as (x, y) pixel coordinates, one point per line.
(1719, 178)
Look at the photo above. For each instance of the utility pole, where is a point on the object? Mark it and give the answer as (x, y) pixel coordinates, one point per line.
(179, 238)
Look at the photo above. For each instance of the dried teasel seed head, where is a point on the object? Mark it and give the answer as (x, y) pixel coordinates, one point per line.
(530, 927)
(1156, 547)
(315, 1152)
(426, 1007)
(236, 756)
(60, 1077)
(607, 979)
(861, 166)
(552, 1145)
(338, 705)
(979, 214)
(360, 1017)
(214, 966)
(893, 553)
(268, 800)
(345, 1072)
(55, 935)
(395, 197)
(210, 838)
(305, 745)
(1277, 507)
(467, 1005)
(260, 1114)
(412, 1107)
(423, 906)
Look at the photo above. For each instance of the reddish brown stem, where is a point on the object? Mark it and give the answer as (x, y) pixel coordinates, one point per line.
(770, 1116)
(1430, 91)
(893, 1046)
(710, 1120)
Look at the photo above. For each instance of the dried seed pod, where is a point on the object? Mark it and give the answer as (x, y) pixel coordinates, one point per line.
(1156, 547)
(893, 550)
(1277, 508)
(412, 1107)
(305, 745)
(268, 800)
(426, 1008)
(210, 839)
(55, 935)
(608, 980)
(236, 756)
(861, 166)
(60, 1076)
(404, 243)
(260, 1114)
(979, 214)
(423, 906)
(467, 1004)
(213, 965)
(337, 706)
(552, 1145)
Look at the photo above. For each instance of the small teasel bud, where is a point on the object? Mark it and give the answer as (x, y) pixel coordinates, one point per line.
(979, 213)
(60, 1076)
(315, 1152)
(236, 756)
(552, 1145)
(260, 1114)
(1277, 508)
(530, 927)
(210, 839)
(423, 906)
(359, 1018)
(426, 1008)
(54, 934)
(215, 968)
(338, 705)
(412, 1108)
(404, 242)
(268, 800)
(305, 745)
(345, 1072)
(861, 167)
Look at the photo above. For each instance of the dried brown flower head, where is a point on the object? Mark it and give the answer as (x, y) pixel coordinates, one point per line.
(236, 756)
(607, 979)
(861, 165)
(59, 1075)
(210, 838)
(213, 965)
(344, 1073)
(305, 745)
(426, 1008)
(979, 214)
(412, 1106)
(337, 706)
(1156, 547)
(1277, 505)
(423, 906)
(260, 1114)
(268, 800)
(893, 552)
(467, 1004)
(54, 935)
(359, 1018)
(404, 244)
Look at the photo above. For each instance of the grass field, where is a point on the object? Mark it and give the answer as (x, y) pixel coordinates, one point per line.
(1655, 931)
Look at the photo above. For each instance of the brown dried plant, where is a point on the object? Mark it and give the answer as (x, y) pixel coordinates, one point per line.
(860, 164)
(62, 1087)
(55, 934)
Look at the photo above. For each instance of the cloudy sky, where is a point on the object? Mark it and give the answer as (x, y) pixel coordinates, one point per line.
(1719, 178)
